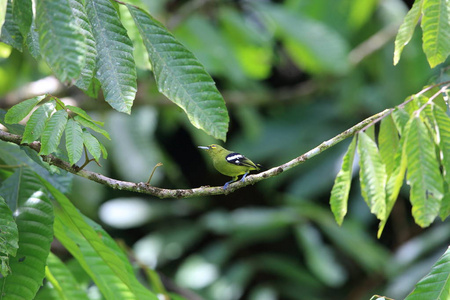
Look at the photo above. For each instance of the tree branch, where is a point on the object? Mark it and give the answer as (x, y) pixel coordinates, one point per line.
(145, 188)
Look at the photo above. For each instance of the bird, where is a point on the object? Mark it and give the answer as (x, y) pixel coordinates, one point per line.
(230, 163)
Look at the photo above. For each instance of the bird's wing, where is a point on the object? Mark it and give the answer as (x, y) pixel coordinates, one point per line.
(240, 160)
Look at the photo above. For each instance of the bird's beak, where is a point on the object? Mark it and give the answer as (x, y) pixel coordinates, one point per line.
(204, 147)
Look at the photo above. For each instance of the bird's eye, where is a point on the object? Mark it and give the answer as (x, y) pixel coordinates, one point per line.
(213, 146)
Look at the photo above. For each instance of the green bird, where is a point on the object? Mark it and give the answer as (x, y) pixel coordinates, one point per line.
(230, 163)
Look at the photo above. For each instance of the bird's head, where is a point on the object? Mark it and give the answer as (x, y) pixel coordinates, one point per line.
(214, 148)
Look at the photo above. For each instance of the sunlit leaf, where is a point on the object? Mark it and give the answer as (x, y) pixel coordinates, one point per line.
(116, 69)
(406, 30)
(388, 140)
(423, 174)
(74, 141)
(63, 280)
(19, 111)
(341, 187)
(436, 284)
(181, 77)
(92, 144)
(443, 122)
(53, 131)
(91, 125)
(82, 114)
(436, 31)
(36, 124)
(372, 176)
(401, 118)
(394, 182)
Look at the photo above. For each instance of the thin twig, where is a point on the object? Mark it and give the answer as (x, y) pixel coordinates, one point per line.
(144, 188)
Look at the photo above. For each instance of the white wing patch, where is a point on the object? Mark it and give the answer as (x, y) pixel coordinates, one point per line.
(235, 158)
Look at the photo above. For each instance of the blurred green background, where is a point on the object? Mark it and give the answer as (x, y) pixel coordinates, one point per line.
(293, 73)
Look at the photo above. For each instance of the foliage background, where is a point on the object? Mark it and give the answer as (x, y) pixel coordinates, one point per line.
(286, 90)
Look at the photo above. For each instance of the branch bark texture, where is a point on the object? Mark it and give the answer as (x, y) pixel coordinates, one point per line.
(144, 188)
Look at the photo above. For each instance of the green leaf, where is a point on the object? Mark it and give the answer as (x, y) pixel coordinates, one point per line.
(53, 131)
(444, 212)
(341, 187)
(9, 236)
(74, 141)
(23, 15)
(181, 77)
(388, 141)
(116, 69)
(82, 22)
(436, 31)
(401, 118)
(394, 182)
(10, 33)
(36, 124)
(443, 122)
(372, 176)
(34, 218)
(19, 111)
(423, 174)
(61, 40)
(436, 284)
(32, 41)
(139, 52)
(406, 30)
(92, 144)
(91, 125)
(111, 272)
(82, 114)
(63, 280)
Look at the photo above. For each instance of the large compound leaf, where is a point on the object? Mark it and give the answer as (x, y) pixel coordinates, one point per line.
(62, 280)
(406, 30)
(436, 30)
(53, 131)
(436, 284)
(341, 187)
(116, 69)
(423, 174)
(34, 218)
(110, 272)
(181, 77)
(372, 176)
(62, 43)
